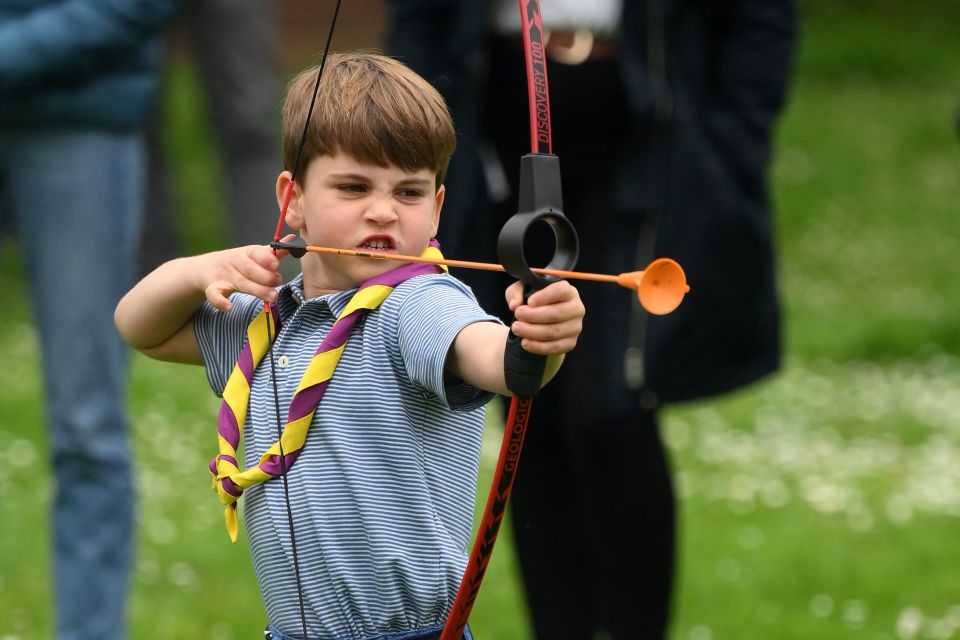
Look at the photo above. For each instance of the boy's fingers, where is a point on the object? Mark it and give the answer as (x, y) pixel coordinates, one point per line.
(514, 295)
(264, 292)
(553, 293)
(557, 307)
(258, 265)
(556, 332)
(263, 256)
(556, 312)
(217, 298)
(549, 348)
(217, 292)
(257, 274)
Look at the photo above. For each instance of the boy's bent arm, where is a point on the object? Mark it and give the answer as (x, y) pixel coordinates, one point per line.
(155, 316)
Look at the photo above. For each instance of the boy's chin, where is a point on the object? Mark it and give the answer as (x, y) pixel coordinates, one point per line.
(372, 268)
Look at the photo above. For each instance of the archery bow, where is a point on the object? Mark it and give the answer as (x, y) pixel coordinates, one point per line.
(540, 201)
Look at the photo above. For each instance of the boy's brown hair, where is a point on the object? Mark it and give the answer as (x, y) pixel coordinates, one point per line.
(372, 108)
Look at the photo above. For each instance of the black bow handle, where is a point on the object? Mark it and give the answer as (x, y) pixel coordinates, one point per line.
(541, 202)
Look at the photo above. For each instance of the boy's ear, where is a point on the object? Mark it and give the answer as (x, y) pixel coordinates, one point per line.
(441, 193)
(294, 217)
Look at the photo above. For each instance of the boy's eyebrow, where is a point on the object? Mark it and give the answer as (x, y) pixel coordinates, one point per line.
(359, 177)
(416, 182)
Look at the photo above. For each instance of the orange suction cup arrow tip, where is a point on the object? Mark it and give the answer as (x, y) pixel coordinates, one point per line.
(660, 287)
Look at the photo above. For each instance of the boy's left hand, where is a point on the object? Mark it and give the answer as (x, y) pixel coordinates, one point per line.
(551, 320)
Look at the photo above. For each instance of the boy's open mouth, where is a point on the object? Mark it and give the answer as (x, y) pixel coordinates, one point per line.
(377, 243)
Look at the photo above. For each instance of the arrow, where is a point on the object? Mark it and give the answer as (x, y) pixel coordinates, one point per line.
(660, 287)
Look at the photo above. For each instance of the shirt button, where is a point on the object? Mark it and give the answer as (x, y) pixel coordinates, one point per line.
(283, 361)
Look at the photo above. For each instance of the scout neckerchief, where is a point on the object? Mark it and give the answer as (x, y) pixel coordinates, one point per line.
(229, 480)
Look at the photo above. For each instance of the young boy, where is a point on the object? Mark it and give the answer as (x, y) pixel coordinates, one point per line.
(383, 493)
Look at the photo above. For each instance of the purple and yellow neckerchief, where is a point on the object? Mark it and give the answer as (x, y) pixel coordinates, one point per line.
(229, 480)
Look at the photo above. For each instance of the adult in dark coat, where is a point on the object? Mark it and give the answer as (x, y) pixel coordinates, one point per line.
(664, 135)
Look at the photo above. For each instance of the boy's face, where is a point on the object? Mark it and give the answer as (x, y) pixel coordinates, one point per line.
(350, 205)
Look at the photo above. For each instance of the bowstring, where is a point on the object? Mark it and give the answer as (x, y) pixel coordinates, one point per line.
(271, 341)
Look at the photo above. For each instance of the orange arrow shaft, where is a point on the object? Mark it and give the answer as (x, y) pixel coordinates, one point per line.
(468, 264)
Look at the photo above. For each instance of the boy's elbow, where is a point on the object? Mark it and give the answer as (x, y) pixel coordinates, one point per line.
(181, 347)
(120, 322)
(127, 329)
(131, 332)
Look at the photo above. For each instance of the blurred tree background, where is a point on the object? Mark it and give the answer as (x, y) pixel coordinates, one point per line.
(821, 504)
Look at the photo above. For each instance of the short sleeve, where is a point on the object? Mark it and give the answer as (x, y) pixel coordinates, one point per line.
(221, 336)
(433, 311)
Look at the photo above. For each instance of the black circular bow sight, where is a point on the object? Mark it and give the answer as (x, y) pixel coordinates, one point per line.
(541, 202)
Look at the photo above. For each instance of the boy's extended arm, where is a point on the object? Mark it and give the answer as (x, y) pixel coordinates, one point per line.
(549, 324)
(154, 317)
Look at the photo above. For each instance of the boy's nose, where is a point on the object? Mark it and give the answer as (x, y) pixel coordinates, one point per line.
(380, 212)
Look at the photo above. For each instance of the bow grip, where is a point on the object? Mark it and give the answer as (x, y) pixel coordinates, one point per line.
(540, 203)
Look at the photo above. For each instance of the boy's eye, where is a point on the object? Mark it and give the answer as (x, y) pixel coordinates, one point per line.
(410, 194)
(352, 187)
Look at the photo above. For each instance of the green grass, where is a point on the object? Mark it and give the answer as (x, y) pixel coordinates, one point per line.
(835, 483)
(821, 504)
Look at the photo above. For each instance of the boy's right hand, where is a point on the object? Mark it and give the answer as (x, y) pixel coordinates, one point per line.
(154, 316)
(253, 270)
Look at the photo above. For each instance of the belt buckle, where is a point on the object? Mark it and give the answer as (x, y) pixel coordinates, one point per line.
(577, 53)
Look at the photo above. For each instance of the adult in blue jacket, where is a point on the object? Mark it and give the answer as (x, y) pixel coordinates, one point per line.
(77, 80)
(663, 112)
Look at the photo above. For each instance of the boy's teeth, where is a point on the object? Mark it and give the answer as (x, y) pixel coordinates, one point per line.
(376, 245)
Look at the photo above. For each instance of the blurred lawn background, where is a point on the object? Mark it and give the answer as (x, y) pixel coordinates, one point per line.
(821, 504)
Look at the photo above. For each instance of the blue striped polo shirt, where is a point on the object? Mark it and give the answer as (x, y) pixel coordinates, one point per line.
(384, 489)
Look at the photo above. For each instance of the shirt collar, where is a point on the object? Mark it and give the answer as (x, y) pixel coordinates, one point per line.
(291, 297)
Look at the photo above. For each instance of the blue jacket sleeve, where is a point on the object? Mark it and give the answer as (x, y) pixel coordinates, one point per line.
(75, 35)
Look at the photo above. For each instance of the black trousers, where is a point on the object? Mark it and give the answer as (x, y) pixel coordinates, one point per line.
(593, 518)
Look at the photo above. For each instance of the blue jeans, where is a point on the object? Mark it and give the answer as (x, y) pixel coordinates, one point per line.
(74, 200)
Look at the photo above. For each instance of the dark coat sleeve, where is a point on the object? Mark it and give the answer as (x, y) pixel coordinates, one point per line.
(748, 67)
(76, 37)
(751, 58)
(729, 71)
